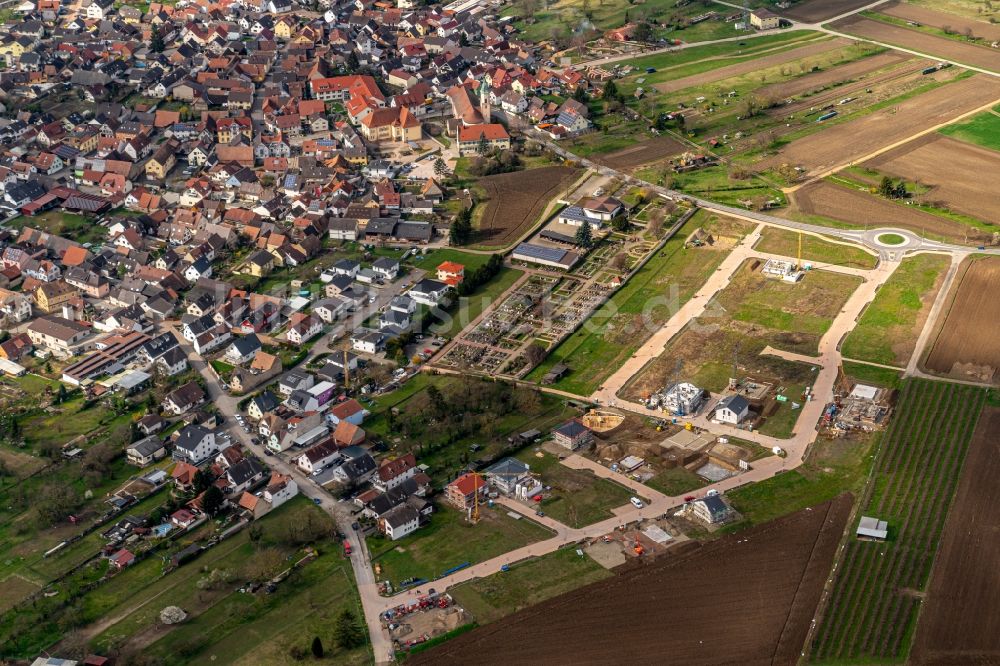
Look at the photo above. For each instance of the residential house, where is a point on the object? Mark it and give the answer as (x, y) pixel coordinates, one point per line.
(573, 435)
(461, 493)
(146, 451)
(184, 398)
(195, 444)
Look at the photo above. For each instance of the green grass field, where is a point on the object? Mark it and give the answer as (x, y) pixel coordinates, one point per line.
(982, 129)
(527, 584)
(804, 309)
(871, 374)
(676, 481)
(68, 225)
(609, 337)
(578, 497)
(888, 329)
(781, 241)
(450, 540)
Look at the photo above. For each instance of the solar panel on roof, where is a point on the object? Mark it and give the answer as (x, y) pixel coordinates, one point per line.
(540, 252)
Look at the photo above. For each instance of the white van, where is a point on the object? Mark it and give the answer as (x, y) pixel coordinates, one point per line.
(636, 502)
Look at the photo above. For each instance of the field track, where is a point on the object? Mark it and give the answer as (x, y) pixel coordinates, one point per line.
(762, 584)
(964, 584)
(877, 591)
(827, 77)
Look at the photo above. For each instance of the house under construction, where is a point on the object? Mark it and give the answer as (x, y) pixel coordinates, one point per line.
(679, 399)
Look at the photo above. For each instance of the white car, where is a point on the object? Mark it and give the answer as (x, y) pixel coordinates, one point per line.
(636, 502)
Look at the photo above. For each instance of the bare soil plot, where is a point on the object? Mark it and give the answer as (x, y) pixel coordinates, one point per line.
(515, 201)
(753, 65)
(940, 47)
(952, 169)
(958, 624)
(854, 139)
(940, 20)
(651, 150)
(967, 344)
(827, 77)
(764, 595)
(859, 208)
(814, 11)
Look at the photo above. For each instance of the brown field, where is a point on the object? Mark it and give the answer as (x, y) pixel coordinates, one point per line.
(650, 150)
(814, 11)
(824, 78)
(764, 595)
(958, 624)
(967, 344)
(940, 47)
(953, 170)
(847, 204)
(854, 139)
(516, 199)
(752, 65)
(940, 20)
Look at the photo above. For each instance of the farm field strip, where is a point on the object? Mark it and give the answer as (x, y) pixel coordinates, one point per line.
(966, 342)
(585, 626)
(816, 81)
(814, 11)
(964, 582)
(753, 65)
(872, 607)
(940, 20)
(516, 200)
(940, 47)
(950, 168)
(864, 136)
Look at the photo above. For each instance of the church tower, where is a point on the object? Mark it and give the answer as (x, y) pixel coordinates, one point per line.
(485, 108)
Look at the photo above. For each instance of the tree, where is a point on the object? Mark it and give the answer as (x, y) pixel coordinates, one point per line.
(610, 91)
(348, 632)
(461, 228)
(264, 565)
(584, 236)
(483, 147)
(618, 261)
(643, 32)
(202, 480)
(212, 501)
(60, 395)
(580, 95)
(172, 615)
(317, 648)
(885, 187)
(535, 354)
(156, 42)
(440, 168)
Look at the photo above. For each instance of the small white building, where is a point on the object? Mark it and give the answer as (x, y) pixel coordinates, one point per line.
(732, 410)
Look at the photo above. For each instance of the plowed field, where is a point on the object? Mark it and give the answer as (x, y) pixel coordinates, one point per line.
(813, 11)
(854, 139)
(941, 47)
(746, 598)
(650, 150)
(959, 625)
(859, 208)
(968, 344)
(952, 169)
(517, 199)
(753, 65)
(940, 20)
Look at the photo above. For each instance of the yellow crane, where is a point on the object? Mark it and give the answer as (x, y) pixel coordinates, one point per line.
(474, 516)
(798, 265)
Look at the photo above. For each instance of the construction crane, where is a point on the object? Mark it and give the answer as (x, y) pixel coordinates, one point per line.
(474, 516)
(798, 265)
(347, 369)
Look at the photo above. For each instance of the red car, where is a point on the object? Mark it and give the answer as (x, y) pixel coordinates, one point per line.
(536, 498)
(347, 547)
(690, 498)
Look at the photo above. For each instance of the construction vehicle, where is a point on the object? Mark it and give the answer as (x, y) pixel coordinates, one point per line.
(639, 550)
